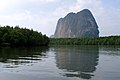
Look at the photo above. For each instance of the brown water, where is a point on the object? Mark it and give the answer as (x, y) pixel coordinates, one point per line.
(60, 63)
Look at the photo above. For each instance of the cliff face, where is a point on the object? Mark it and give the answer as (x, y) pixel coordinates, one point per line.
(77, 25)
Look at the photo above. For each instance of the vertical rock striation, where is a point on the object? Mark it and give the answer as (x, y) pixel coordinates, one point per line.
(77, 25)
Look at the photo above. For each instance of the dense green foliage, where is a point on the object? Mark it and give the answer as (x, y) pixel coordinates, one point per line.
(111, 40)
(21, 37)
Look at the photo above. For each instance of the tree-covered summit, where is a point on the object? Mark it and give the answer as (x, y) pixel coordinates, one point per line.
(16, 36)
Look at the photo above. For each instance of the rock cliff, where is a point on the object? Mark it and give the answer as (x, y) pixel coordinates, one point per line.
(77, 25)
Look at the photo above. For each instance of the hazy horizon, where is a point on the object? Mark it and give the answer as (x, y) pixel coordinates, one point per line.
(42, 15)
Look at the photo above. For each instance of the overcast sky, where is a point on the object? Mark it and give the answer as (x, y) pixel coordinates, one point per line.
(42, 15)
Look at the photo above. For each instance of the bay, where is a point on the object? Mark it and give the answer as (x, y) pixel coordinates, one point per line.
(60, 63)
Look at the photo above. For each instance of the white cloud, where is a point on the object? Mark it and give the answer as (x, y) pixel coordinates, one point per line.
(41, 22)
(41, 1)
(106, 17)
(45, 20)
(5, 3)
(48, 0)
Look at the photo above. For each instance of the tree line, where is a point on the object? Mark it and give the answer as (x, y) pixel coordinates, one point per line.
(16, 36)
(111, 40)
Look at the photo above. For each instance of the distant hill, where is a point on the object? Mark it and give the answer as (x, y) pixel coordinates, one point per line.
(77, 25)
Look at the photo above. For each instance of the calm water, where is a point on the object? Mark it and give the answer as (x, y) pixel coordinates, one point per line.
(60, 63)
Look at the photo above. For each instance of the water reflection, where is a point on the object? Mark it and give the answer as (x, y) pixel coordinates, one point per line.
(110, 50)
(77, 61)
(14, 57)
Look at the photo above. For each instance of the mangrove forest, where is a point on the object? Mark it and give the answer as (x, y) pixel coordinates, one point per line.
(111, 40)
(16, 36)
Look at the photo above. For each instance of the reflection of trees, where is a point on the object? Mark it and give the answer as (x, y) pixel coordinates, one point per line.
(110, 50)
(80, 59)
(21, 55)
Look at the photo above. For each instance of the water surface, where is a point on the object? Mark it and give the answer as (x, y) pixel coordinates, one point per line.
(60, 63)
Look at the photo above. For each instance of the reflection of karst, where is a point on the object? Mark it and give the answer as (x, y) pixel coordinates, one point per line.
(80, 59)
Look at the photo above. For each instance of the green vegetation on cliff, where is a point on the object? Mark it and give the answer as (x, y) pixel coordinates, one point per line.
(111, 40)
(15, 36)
